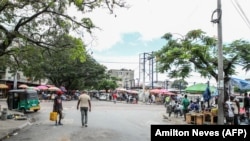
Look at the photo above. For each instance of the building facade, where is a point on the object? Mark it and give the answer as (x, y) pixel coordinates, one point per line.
(126, 77)
(9, 79)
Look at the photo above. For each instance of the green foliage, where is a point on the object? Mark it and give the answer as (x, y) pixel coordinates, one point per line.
(44, 23)
(197, 52)
(107, 84)
(180, 84)
(79, 51)
(71, 66)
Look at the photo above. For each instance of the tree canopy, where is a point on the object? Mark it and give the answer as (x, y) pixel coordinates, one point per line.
(36, 37)
(44, 23)
(197, 52)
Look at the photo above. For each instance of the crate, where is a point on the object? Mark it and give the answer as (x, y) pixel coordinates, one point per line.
(209, 118)
(188, 118)
(199, 119)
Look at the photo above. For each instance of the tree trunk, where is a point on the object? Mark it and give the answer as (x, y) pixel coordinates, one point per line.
(221, 101)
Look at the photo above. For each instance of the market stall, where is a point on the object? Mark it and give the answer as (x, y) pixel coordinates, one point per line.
(202, 118)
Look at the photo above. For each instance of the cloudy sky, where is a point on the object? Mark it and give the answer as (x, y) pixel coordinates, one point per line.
(139, 29)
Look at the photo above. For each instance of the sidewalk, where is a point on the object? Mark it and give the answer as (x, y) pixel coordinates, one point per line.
(10, 127)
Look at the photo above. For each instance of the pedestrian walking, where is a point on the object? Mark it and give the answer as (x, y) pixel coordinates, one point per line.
(85, 106)
(170, 107)
(150, 98)
(167, 101)
(236, 109)
(114, 97)
(57, 107)
(228, 112)
(246, 105)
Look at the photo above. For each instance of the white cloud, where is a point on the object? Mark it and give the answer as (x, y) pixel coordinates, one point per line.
(154, 18)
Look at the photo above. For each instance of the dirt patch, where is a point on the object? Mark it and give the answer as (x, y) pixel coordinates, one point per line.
(173, 120)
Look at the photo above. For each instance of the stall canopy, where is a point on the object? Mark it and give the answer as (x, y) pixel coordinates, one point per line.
(240, 83)
(161, 91)
(199, 88)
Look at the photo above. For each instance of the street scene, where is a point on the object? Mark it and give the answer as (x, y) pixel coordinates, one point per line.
(108, 70)
(107, 122)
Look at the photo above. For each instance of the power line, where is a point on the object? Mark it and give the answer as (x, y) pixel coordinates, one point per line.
(241, 12)
(119, 62)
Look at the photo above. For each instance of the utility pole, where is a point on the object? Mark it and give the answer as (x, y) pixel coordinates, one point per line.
(152, 70)
(220, 63)
(147, 58)
(143, 83)
(15, 80)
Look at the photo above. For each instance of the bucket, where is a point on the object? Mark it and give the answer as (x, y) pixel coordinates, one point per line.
(53, 116)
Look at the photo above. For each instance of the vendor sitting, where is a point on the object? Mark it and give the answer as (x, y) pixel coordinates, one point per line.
(194, 106)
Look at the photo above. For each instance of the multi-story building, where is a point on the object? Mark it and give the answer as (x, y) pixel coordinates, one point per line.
(126, 77)
(9, 79)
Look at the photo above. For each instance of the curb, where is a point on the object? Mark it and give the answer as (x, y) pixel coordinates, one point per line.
(14, 131)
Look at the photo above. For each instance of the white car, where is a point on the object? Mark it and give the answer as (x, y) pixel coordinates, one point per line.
(102, 97)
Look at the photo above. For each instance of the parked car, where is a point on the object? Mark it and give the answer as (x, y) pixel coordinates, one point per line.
(103, 97)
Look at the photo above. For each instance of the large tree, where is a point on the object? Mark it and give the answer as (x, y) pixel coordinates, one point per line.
(179, 84)
(197, 52)
(72, 67)
(108, 83)
(44, 23)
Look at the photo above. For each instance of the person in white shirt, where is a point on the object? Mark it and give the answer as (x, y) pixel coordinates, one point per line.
(153, 98)
(229, 114)
(85, 106)
(236, 109)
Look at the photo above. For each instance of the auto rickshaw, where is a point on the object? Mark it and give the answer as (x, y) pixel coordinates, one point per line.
(23, 100)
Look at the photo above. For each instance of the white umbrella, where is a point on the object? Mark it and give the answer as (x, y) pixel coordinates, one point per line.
(54, 89)
(24, 86)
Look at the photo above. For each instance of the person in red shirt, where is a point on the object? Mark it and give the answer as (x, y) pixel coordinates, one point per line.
(114, 97)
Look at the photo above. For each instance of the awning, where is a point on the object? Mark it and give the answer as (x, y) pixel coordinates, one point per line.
(240, 83)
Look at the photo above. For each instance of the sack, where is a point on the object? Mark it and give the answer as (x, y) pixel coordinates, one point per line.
(53, 116)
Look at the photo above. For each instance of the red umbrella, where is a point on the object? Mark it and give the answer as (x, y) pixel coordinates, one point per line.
(161, 91)
(168, 93)
(156, 91)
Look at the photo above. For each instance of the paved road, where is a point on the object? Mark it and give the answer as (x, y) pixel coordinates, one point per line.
(107, 122)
